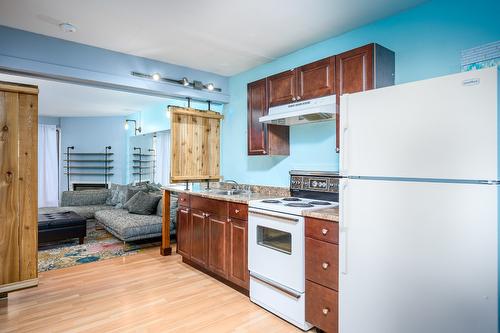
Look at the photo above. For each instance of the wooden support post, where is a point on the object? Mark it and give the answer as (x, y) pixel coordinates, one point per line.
(165, 249)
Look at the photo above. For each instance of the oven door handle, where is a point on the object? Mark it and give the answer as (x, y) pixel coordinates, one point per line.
(281, 217)
(273, 284)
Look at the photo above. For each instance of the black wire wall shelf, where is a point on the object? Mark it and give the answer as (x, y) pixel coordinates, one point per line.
(81, 165)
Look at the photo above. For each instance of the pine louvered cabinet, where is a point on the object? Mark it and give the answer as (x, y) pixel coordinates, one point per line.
(18, 187)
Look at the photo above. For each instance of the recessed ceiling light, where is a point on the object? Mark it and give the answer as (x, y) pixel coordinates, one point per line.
(210, 86)
(156, 76)
(67, 27)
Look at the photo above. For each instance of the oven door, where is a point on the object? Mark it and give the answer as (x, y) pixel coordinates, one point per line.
(276, 247)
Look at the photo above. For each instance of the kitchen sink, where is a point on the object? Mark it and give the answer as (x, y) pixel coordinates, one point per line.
(229, 192)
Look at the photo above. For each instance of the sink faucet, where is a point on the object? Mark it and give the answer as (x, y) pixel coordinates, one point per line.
(236, 187)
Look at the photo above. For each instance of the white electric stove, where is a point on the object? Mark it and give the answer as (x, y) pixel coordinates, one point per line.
(276, 244)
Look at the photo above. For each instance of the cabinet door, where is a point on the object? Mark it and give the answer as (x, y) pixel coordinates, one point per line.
(354, 73)
(316, 79)
(238, 256)
(217, 262)
(282, 88)
(257, 107)
(199, 232)
(183, 232)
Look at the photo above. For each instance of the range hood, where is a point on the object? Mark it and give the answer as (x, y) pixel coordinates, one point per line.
(313, 110)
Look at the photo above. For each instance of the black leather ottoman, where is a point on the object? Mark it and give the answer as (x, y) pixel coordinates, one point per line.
(59, 226)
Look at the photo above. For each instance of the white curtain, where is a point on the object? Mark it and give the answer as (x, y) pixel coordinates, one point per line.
(162, 170)
(48, 184)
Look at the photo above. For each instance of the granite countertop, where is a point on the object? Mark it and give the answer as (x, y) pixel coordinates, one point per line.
(330, 214)
(240, 198)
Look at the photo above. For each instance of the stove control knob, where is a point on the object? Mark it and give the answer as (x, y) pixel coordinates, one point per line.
(324, 231)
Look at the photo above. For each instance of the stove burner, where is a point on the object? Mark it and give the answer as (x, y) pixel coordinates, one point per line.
(320, 203)
(291, 199)
(299, 204)
(271, 201)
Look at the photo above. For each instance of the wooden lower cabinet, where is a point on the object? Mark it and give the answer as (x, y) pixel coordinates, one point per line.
(217, 249)
(199, 238)
(238, 252)
(322, 307)
(183, 232)
(322, 270)
(209, 238)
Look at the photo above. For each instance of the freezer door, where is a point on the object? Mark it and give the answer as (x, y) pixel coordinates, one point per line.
(439, 128)
(418, 257)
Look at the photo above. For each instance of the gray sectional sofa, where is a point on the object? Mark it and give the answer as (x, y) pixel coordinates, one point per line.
(97, 204)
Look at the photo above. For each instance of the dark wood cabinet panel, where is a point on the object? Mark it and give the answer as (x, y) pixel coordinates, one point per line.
(264, 139)
(322, 307)
(238, 253)
(183, 199)
(217, 240)
(183, 232)
(323, 230)
(316, 79)
(282, 88)
(199, 237)
(322, 260)
(217, 207)
(364, 68)
(257, 107)
(238, 210)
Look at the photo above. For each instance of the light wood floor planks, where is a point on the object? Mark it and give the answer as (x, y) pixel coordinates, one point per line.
(140, 293)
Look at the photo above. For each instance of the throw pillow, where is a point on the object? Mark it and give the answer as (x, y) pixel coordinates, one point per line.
(132, 190)
(120, 196)
(144, 204)
(131, 200)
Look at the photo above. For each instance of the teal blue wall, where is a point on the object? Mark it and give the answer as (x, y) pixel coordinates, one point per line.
(427, 41)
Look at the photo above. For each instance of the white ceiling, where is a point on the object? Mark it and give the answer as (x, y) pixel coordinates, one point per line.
(220, 36)
(59, 99)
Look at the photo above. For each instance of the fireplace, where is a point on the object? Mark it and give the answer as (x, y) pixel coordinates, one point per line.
(88, 186)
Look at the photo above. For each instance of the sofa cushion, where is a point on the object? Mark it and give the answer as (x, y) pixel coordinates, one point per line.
(87, 212)
(130, 201)
(132, 190)
(118, 195)
(128, 226)
(85, 198)
(143, 203)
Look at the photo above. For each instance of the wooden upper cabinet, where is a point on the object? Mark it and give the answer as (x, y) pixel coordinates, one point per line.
(364, 68)
(264, 139)
(282, 88)
(316, 79)
(257, 107)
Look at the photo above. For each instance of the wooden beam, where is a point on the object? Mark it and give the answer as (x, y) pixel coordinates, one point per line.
(165, 248)
(18, 88)
(194, 112)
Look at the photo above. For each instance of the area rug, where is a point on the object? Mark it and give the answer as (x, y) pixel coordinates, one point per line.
(99, 245)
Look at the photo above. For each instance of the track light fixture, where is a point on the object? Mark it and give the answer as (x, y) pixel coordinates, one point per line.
(136, 129)
(198, 85)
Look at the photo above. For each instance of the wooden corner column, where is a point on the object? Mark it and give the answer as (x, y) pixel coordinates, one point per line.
(165, 249)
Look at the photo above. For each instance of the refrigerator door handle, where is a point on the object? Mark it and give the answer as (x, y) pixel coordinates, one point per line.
(344, 123)
(343, 226)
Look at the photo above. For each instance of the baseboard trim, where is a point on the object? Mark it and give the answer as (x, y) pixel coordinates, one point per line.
(14, 286)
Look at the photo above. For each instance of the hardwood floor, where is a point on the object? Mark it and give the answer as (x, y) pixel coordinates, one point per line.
(140, 293)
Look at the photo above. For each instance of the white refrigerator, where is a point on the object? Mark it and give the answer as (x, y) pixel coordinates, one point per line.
(419, 207)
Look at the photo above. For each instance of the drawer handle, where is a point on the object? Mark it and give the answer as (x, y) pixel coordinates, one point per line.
(324, 231)
(325, 265)
(325, 311)
(236, 211)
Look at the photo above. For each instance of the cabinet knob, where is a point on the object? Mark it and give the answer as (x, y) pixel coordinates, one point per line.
(293, 99)
(298, 97)
(236, 211)
(325, 311)
(324, 231)
(229, 220)
(325, 265)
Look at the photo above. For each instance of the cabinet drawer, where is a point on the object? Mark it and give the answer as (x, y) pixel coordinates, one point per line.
(213, 206)
(323, 230)
(238, 211)
(322, 263)
(183, 199)
(322, 307)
